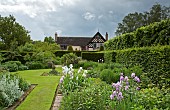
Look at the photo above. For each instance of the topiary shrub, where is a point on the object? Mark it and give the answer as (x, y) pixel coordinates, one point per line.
(70, 48)
(101, 48)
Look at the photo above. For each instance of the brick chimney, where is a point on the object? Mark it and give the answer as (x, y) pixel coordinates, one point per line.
(106, 36)
(56, 35)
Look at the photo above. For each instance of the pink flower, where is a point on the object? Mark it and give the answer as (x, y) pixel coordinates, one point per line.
(119, 96)
(138, 88)
(126, 88)
(121, 78)
(137, 79)
(61, 79)
(111, 96)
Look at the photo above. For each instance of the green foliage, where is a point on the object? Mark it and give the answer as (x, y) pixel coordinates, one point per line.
(154, 34)
(109, 56)
(57, 61)
(13, 66)
(49, 40)
(101, 48)
(153, 99)
(71, 84)
(109, 76)
(39, 60)
(88, 65)
(12, 33)
(1, 58)
(60, 53)
(44, 46)
(155, 62)
(69, 58)
(35, 65)
(92, 56)
(70, 48)
(28, 47)
(12, 87)
(94, 97)
(136, 20)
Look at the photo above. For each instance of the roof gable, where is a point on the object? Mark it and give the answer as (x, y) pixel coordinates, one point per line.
(97, 38)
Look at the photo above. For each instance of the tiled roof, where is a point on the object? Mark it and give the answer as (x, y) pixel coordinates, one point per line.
(74, 41)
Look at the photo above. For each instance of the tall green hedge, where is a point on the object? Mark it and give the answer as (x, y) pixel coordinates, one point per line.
(92, 56)
(154, 60)
(157, 33)
(109, 56)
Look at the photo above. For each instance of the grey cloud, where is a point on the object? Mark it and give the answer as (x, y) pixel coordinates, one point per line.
(75, 17)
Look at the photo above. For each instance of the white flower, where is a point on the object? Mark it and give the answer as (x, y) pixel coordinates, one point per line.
(65, 70)
(80, 69)
(84, 75)
(71, 66)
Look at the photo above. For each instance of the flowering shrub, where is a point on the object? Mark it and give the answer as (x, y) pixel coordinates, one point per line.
(124, 92)
(11, 88)
(72, 80)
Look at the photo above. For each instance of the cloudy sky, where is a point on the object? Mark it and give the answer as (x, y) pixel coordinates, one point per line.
(73, 17)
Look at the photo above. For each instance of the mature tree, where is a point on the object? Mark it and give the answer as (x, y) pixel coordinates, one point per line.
(45, 46)
(130, 22)
(28, 47)
(49, 40)
(12, 33)
(135, 20)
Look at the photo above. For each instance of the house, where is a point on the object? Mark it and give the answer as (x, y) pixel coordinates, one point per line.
(81, 43)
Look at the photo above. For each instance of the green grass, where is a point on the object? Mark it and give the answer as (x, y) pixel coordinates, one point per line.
(42, 96)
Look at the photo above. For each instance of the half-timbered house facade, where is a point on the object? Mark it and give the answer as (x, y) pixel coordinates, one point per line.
(82, 43)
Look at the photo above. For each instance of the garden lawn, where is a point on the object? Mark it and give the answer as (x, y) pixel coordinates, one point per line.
(42, 96)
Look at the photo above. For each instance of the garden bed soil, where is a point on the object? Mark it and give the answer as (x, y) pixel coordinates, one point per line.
(23, 97)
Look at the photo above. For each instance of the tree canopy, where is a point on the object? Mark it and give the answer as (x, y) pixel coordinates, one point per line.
(135, 20)
(49, 40)
(12, 34)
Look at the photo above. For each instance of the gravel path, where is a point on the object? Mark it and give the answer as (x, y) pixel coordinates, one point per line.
(57, 102)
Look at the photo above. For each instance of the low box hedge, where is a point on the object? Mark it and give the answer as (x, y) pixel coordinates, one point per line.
(92, 56)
